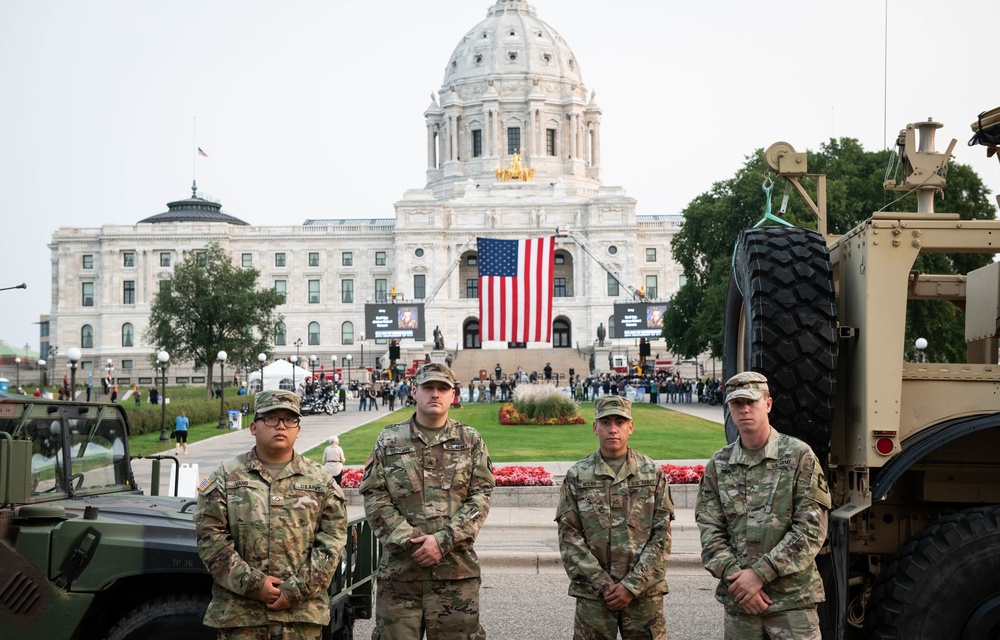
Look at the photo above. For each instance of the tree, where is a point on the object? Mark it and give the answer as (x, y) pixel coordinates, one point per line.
(712, 221)
(210, 305)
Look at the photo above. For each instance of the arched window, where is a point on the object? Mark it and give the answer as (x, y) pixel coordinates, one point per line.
(612, 332)
(128, 335)
(279, 334)
(87, 337)
(347, 333)
(314, 333)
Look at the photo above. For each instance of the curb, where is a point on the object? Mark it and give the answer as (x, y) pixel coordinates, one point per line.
(682, 495)
(546, 561)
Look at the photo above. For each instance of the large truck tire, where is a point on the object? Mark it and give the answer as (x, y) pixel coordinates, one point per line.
(943, 584)
(165, 618)
(781, 321)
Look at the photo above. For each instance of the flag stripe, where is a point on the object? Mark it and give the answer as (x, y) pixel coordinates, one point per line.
(515, 289)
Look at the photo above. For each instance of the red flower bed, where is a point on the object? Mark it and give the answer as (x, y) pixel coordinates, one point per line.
(523, 476)
(352, 478)
(518, 476)
(684, 475)
(510, 415)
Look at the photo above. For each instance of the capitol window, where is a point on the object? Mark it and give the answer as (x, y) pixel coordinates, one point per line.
(279, 259)
(128, 259)
(88, 261)
(347, 259)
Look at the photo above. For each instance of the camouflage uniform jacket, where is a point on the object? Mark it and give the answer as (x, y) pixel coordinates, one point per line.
(248, 527)
(615, 528)
(765, 512)
(440, 487)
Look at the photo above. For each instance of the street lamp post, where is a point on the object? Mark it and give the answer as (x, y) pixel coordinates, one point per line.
(74, 356)
(41, 374)
(348, 358)
(361, 341)
(111, 369)
(312, 361)
(163, 357)
(295, 364)
(222, 389)
(51, 359)
(262, 357)
(17, 361)
(921, 345)
(333, 374)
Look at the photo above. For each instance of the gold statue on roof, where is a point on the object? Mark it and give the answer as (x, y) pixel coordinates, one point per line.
(514, 171)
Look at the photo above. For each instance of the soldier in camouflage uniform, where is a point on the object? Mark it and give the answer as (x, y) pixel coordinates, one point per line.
(614, 533)
(427, 489)
(762, 511)
(271, 526)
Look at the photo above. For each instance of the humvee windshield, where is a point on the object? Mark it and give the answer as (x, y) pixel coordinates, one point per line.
(76, 449)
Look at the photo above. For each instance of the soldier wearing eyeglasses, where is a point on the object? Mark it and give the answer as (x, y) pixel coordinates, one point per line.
(271, 526)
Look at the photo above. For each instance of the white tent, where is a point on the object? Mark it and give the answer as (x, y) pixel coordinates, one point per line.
(278, 375)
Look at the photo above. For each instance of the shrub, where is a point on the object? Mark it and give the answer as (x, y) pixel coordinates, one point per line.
(146, 418)
(540, 405)
(544, 401)
(510, 415)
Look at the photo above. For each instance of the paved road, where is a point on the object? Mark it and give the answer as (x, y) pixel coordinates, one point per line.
(536, 606)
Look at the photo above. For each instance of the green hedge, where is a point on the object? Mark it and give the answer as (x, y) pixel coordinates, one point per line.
(146, 418)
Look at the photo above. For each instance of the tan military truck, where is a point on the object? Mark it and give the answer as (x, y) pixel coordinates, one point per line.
(912, 448)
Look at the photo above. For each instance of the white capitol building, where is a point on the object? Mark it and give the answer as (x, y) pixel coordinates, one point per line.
(511, 85)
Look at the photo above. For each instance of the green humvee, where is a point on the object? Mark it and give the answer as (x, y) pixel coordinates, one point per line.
(85, 555)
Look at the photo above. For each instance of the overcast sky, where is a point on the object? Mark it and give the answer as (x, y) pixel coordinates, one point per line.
(314, 108)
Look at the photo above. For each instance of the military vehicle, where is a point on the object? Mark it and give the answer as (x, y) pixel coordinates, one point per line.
(85, 555)
(912, 448)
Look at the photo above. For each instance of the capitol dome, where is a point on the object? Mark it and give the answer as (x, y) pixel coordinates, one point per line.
(513, 86)
(513, 42)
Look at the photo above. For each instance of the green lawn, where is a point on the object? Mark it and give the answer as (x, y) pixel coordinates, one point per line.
(659, 433)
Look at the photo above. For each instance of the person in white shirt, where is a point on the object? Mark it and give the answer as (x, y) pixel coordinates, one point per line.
(333, 459)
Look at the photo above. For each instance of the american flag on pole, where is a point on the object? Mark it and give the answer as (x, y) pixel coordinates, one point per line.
(515, 289)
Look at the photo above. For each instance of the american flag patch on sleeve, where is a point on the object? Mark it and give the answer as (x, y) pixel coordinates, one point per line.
(203, 484)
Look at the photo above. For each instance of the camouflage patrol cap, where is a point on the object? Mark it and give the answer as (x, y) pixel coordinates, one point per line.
(435, 372)
(271, 400)
(748, 384)
(612, 406)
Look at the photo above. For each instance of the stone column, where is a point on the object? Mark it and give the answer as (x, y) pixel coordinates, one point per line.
(573, 150)
(596, 144)
(431, 156)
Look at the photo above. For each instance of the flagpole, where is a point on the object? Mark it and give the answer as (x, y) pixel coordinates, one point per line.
(194, 148)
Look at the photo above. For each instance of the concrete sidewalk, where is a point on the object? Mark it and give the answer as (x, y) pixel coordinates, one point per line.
(514, 538)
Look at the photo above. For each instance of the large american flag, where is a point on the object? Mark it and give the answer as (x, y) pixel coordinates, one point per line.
(515, 289)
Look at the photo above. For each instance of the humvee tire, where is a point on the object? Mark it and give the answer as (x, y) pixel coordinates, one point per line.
(944, 583)
(165, 618)
(781, 321)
